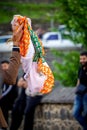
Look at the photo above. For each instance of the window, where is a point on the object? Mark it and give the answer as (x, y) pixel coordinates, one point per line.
(53, 37)
(3, 40)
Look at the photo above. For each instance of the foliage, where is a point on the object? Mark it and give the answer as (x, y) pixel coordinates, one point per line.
(40, 13)
(73, 13)
(66, 70)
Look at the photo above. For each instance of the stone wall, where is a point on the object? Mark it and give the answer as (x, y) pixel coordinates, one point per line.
(55, 111)
(54, 117)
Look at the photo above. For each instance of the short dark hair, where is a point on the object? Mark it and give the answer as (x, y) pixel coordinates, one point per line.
(83, 53)
(5, 61)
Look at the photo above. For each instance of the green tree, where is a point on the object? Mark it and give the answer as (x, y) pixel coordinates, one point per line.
(73, 13)
(66, 71)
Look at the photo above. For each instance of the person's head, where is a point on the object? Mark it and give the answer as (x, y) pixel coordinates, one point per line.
(83, 58)
(18, 20)
(5, 64)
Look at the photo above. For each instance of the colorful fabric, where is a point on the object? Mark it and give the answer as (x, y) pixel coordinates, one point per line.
(39, 76)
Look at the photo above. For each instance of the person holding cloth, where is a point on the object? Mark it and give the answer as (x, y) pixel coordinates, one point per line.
(38, 76)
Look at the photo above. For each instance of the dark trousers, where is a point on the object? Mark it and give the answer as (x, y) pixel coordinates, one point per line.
(24, 105)
(6, 104)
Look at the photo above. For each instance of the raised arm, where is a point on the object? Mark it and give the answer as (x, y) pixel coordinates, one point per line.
(9, 76)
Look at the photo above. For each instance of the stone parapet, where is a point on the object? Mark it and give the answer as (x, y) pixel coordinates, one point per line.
(55, 117)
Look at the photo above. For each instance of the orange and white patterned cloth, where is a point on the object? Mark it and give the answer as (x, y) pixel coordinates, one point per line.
(38, 74)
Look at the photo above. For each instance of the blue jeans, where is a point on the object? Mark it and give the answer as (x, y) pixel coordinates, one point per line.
(80, 110)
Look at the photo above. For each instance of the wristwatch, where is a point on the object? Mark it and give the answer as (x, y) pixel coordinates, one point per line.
(15, 48)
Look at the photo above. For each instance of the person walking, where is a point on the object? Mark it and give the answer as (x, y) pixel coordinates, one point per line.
(80, 101)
